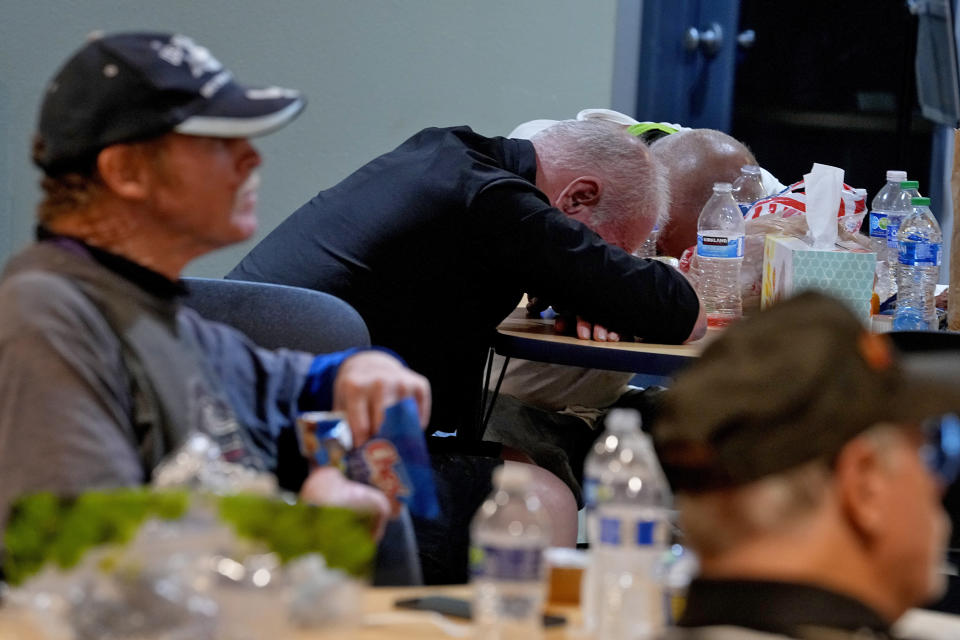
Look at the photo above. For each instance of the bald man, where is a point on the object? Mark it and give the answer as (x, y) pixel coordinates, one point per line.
(694, 160)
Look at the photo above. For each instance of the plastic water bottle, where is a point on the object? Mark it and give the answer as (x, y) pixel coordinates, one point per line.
(883, 203)
(600, 465)
(720, 232)
(919, 249)
(629, 529)
(649, 248)
(901, 209)
(509, 535)
(748, 187)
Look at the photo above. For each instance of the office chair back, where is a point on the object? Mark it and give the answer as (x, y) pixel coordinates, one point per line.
(275, 316)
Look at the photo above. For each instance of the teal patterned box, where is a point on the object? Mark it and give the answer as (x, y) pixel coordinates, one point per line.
(790, 266)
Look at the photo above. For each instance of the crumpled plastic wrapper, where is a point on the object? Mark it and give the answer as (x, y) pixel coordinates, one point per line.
(185, 579)
(198, 465)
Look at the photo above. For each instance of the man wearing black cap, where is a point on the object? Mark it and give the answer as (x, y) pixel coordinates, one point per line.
(794, 448)
(142, 138)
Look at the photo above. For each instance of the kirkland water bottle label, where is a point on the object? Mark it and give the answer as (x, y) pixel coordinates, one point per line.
(716, 246)
(610, 531)
(518, 565)
(919, 254)
(878, 224)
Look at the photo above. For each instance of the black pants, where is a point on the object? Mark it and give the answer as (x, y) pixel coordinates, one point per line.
(463, 483)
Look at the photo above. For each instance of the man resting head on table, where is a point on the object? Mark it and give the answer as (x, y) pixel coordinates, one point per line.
(142, 138)
(796, 448)
(552, 413)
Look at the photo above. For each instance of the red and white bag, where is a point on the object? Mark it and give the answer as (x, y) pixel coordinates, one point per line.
(792, 201)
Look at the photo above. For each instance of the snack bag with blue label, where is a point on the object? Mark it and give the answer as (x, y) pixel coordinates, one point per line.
(394, 461)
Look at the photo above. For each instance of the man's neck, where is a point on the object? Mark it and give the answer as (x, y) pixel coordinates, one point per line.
(831, 562)
(129, 235)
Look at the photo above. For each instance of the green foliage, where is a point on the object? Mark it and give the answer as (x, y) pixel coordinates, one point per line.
(342, 536)
(45, 528)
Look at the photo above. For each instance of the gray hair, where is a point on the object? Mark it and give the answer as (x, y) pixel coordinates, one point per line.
(715, 521)
(635, 183)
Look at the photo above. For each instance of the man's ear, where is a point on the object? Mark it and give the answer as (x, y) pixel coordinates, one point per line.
(123, 171)
(580, 196)
(861, 480)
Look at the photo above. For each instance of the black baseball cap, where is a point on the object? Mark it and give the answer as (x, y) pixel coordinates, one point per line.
(134, 86)
(793, 384)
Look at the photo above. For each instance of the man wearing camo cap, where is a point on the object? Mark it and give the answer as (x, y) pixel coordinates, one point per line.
(793, 446)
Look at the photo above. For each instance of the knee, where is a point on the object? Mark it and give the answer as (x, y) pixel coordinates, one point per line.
(559, 503)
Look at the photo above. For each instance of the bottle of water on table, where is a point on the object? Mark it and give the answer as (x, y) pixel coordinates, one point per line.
(901, 209)
(919, 254)
(630, 529)
(508, 536)
(883, 204)
(748, 187)
(720, 231)
(600, 466)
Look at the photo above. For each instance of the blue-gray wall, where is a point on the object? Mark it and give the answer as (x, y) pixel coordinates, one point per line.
(375, 71)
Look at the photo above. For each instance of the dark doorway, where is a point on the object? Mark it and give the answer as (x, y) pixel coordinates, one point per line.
(832, 82)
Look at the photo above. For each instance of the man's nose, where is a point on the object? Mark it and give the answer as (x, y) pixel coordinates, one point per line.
(247, 154)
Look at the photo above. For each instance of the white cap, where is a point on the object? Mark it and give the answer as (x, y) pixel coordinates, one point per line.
(895, 175)
(609, 115)
(515, 475)
(623, 420)
(527, 130)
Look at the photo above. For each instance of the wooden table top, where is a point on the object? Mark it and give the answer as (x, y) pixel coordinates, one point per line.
(532, 338)
(382, 620)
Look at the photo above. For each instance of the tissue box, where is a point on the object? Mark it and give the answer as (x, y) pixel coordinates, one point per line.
(790, 266)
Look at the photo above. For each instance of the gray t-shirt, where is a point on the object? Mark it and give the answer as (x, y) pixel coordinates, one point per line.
(100, 379)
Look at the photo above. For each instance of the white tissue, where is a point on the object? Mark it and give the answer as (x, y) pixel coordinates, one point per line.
(823, 186)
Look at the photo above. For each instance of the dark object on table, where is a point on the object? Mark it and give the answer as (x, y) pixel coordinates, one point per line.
(460, 608)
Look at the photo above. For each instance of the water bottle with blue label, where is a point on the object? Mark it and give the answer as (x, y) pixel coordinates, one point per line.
(600, 466)
(631, 533)
(919, 251)
(883, 204)
(901, 209)
(720, 233)
(508, 538)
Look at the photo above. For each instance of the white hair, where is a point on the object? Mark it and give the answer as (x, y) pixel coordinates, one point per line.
(635, 184)
(715, 521)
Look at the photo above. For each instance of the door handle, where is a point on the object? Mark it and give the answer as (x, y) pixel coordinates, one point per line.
(710, 40)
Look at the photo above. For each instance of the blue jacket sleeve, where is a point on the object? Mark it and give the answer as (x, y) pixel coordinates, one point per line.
(317, 393)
